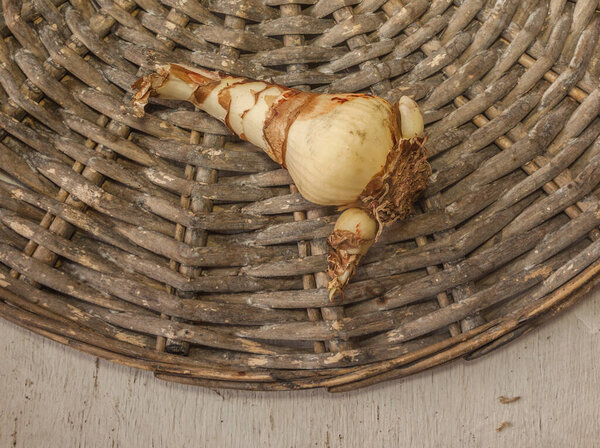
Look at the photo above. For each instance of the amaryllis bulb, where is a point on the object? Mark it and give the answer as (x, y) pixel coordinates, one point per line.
(351, 150)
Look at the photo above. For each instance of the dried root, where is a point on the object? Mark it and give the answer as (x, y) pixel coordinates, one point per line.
(391, 195)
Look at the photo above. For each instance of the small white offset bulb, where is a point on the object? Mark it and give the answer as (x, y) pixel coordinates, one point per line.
(361, 225)
(411, 119)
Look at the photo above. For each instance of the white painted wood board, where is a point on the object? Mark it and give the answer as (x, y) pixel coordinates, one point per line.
(52, 396)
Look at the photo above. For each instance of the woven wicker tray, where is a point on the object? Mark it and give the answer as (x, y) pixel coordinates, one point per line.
(164, 244)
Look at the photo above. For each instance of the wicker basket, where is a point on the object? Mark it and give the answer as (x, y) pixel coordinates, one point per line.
(163, 243)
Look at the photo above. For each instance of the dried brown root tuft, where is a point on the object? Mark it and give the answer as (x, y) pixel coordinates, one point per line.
(390, 196)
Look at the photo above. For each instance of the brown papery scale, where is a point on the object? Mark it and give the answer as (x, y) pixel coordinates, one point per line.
(355, 151)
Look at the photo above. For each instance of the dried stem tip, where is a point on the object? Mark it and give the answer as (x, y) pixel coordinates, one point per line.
(354, 233)
(352, 150)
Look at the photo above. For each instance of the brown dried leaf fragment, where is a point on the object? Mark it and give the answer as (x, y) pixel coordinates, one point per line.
(506, 400)
(503, 426)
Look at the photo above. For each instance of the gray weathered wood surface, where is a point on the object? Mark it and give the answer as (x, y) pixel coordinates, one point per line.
(54, 396)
